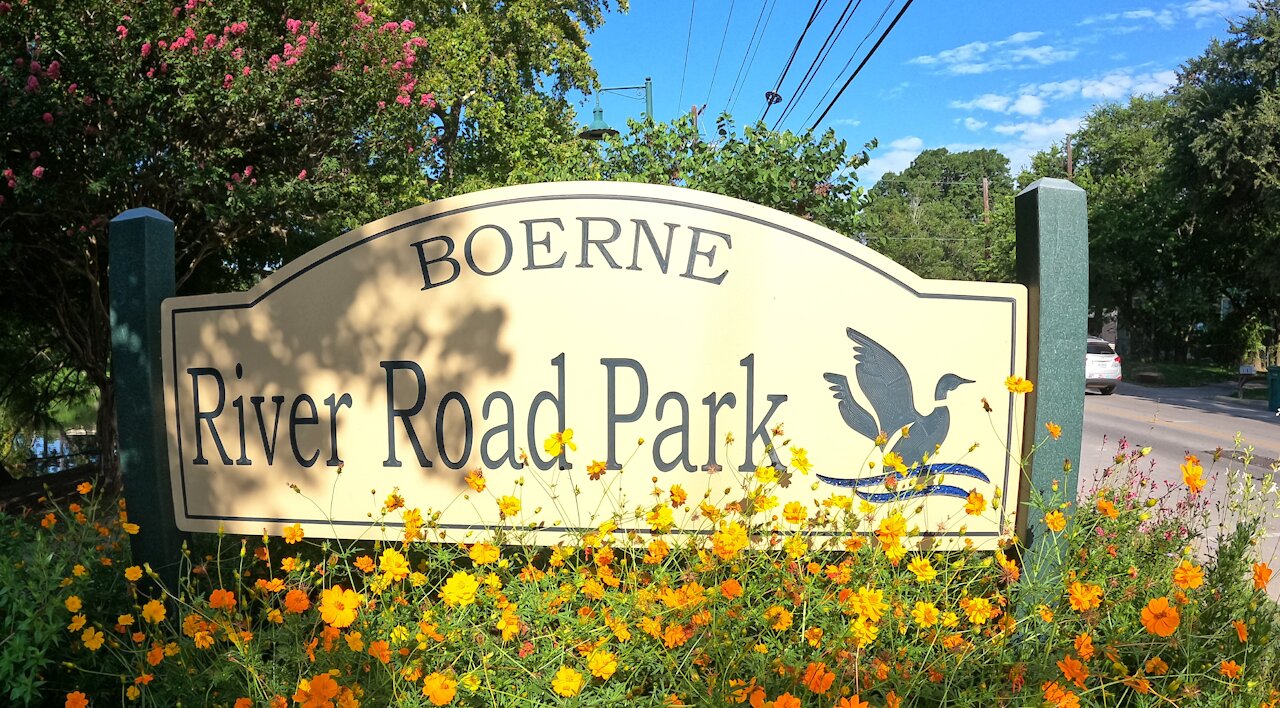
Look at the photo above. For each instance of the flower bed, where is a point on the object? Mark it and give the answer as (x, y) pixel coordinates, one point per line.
(757, 610)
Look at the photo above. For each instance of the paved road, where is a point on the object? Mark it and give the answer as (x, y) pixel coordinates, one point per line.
(1178, 421)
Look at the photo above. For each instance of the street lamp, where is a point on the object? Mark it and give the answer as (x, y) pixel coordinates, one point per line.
(599, 130)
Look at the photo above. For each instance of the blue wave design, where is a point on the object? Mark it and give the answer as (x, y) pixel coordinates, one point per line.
(942, 490)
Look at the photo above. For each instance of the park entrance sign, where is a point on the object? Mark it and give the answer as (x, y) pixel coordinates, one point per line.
(463, 334)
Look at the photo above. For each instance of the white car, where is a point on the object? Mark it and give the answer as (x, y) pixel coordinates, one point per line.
(1101, 366)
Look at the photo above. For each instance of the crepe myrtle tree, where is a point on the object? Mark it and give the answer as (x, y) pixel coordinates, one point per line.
(260, 128)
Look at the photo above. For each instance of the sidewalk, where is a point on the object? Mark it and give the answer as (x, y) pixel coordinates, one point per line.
(1226, 392)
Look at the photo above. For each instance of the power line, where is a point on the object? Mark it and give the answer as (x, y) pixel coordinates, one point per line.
(824, 51)
(688, 40)
(817, 7)
(723, 37)
(853, 55)
(865, 59)
(750, 56)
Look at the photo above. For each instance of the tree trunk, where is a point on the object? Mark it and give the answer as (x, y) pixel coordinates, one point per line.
(109, 461)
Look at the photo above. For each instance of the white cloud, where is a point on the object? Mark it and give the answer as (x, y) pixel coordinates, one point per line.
(1114, 85)
(1020, 37)
(1039, 133)
(983, 57)
(1201, 12)
(847, 122)
(1025, 104)
(987, 102)
(1043, 55)
(974, 124)
(1028, 105)
(898, 158)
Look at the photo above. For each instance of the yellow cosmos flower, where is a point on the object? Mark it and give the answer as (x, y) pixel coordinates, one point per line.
(925, 614)
(72, 603)
(394, 564)
(77, 623)
(153, 611)
(923, 569)
(293, 534)
(475, 480)
(1017, 384)
(1055, 521)
(795, 513)
(338, 606)
(868, 603)
(508, 506)
(484, 553)
(766, 475)
(557, 442)
(728, 540)
(133, 573)
(92, 639)
(602, 664)
(567, 682)
(460, 589)
(661, 519)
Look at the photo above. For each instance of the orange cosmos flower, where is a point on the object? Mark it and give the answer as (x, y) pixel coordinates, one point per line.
(133, 573)
(731, 588)
(1156, 666)
(975, 504)
(1188, 576)
(1230, 669)
(475, 479)
(1160, 618)
(1241, 630)
(338, 606)
(1084, 645)
(1261, 575)
(1084, 596)
(76, 699)
(817, 678)
(1059, 697)
(380, 650)
(1055, 430)
(1074, 670)
(439, 689)
(1107, 509)
(222, 600)
(852, 702)
(1193, 473)
(296, 601)
(787, 700)
(319, 691)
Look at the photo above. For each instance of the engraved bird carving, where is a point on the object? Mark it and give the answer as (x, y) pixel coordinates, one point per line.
(887, 386)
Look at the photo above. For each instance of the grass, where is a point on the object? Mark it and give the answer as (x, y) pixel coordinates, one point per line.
(1177, 375)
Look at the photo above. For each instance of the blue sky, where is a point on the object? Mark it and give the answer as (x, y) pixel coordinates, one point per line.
(961, 74)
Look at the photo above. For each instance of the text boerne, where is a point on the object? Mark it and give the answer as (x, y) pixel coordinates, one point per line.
(599, 242)
(224, 430)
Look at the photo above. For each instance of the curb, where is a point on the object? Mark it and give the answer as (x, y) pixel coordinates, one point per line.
(1243, 402)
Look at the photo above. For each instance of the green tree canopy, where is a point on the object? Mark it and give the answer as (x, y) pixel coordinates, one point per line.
(812, 177)
(931, 218)
(260, 128)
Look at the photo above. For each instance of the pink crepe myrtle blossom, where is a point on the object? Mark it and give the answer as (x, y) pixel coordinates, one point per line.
(47, 118)
(302, 175)
(146, 49)
(38, 173)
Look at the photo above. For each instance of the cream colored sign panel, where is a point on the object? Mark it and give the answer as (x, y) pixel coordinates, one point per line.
(461, 334)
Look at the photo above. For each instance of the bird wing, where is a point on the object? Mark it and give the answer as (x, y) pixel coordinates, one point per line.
(885, 382)
(855, 416)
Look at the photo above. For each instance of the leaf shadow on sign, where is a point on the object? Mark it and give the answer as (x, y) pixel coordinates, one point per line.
(324, 334)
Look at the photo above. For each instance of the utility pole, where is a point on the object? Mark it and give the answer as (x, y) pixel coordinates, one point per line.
(986, 200)
(1070, 167)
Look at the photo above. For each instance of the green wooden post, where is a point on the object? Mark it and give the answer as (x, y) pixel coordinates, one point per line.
(1053, 262)
(142, 275)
